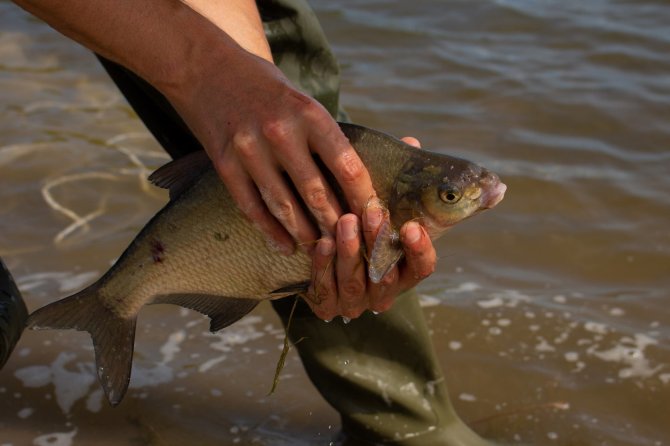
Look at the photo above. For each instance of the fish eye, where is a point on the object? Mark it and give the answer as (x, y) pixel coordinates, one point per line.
(449, 194)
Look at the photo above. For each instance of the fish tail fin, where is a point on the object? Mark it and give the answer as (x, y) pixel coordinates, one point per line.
(113, 336)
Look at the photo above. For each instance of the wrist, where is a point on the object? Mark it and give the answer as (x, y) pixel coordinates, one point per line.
(183, 57)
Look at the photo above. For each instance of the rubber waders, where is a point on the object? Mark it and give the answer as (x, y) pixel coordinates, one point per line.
(13, 314)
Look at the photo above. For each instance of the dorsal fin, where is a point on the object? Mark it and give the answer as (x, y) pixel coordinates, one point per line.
(178, 175)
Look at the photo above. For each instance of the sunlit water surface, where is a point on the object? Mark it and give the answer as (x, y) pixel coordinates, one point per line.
(550, 314)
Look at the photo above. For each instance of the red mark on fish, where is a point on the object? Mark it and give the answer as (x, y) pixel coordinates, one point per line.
(157, 251)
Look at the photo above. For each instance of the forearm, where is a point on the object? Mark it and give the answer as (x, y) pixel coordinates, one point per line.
(163, 41)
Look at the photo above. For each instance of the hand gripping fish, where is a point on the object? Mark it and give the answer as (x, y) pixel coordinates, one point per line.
(200, 252)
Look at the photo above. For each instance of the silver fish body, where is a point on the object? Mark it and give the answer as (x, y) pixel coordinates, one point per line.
(200, 252)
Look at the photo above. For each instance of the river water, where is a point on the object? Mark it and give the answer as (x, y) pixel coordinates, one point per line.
(550, 313)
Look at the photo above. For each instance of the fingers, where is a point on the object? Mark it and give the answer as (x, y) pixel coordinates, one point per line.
(282, 145)
(327, 140)
(253, 156)
(411, 141)
(322, 294)
(373, 215)
(340, 285)
(244, 193)
(338, 273)
(351, 272)
(419, 263)
(305, 174)
(420, 255)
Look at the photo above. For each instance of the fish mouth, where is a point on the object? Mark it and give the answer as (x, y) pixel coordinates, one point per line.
(493, 196)
(493, 190)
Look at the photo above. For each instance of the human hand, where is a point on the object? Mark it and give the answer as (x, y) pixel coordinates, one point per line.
(340, 282)
(255, 127)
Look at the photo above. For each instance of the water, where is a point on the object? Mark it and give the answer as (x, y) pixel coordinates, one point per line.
(550, 313)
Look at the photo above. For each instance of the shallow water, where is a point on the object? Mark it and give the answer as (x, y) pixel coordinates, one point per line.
(550, 313)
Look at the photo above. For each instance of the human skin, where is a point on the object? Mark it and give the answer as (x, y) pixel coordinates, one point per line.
(211, 60)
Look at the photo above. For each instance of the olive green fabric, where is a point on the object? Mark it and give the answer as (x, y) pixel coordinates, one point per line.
(381, 374)
(300, 49)
(379, 371)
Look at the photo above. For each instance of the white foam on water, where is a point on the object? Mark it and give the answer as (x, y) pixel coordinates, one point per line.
(238, 334)
(426, 301)
(506, 298)
(211, 363)
(467, 397)
(67, 280)
(491, 303)
(25, 412)
(171, 347)
(504, 322)
(571, 356)
(543, 345)
(161, 373)
(465, 287)
(55, 439)
(94, 401)
(596, 327)
(629, 352)
(69, 386)
(455, 345)
(23, 352)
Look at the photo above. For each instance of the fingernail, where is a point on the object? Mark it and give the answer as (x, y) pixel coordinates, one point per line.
(373, 216)
(326, 246)
(346, 320)
(327, 321)
(412, 233)
(375, 312)
(349, 229)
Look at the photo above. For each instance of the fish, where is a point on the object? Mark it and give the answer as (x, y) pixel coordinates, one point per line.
(13, 314)
(201, 253)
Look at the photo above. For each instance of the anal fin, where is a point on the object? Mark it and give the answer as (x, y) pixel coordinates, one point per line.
(223, 311)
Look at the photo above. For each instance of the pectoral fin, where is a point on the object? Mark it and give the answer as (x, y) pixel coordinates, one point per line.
(387, 251)
(223, 311)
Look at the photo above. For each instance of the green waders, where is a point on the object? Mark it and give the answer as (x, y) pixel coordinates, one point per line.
(13, 314)
(379, 371)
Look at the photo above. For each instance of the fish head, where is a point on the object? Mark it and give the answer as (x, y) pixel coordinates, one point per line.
(440, 191)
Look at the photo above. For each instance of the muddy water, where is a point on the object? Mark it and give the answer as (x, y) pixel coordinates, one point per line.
(550, 314)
